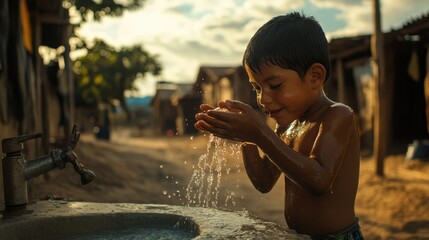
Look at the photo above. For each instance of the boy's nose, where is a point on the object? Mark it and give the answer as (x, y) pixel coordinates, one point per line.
(264, 99)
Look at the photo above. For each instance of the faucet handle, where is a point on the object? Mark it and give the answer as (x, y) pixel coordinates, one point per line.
(68, 155)
(86, 176)
(74, 137)
(14, 144)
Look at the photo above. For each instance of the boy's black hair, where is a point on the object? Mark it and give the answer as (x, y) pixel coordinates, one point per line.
(292, 41)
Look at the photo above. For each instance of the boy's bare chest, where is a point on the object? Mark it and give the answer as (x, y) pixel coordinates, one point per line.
(301, 136)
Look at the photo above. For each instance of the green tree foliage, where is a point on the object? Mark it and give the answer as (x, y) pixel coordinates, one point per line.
(101, 8)
(104, 73)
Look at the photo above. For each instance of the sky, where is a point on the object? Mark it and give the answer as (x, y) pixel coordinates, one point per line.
(187, 34)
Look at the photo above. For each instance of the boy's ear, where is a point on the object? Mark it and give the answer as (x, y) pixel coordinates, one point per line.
(317, 74)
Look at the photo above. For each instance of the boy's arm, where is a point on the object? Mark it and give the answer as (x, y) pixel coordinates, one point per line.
(317, 172)
(261, 171)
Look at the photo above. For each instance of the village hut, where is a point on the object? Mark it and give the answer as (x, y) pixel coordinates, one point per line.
(35, 97)
(163, 112)
(187, 105)
(216, 83)
(407, 79)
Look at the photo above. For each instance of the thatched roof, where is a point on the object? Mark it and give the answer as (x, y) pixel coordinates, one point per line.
(417, 26)
(348, 46)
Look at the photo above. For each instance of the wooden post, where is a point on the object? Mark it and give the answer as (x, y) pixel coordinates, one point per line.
(70, 115)
(380, 114)
(426, 88)
(341, 81)
(41, 84)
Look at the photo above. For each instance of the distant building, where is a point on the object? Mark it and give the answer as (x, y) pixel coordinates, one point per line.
(182, 101)
(406, 73)
(163, 112)
(187, 105)
(221, 83)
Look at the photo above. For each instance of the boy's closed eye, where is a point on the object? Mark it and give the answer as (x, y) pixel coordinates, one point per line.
(272, 87)
(257, 89)
(275, 86)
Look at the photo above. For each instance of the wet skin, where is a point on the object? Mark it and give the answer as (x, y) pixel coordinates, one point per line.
(315, 146)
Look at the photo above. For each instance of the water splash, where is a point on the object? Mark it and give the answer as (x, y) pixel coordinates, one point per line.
(203, 188)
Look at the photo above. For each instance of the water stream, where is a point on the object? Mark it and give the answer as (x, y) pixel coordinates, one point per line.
(204, 186)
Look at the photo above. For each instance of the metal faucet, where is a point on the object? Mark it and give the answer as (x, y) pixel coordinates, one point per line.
(17, 171)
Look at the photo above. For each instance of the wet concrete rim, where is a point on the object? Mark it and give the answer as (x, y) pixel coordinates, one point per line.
(203, 223)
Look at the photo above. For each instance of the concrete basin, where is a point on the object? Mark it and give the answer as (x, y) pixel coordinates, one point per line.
(85, 220)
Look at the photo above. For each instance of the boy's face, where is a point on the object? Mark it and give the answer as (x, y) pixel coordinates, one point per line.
(281, 93)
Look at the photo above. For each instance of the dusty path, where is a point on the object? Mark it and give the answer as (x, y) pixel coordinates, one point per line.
(158, 170)
(153, 170)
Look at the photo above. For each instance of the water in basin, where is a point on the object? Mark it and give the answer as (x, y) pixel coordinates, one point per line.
(141, 226)
(135, 233)
(113, 225)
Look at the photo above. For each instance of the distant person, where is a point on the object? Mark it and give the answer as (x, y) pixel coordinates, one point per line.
(316, 141)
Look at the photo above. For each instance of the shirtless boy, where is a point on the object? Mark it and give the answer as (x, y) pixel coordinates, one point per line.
(316, 141)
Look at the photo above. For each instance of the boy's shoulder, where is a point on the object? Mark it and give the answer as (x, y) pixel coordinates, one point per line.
(341, 109)
(339, 112)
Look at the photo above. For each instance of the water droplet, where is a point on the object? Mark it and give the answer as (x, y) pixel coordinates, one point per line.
(191, 137)
(203, 188)
(177, 182)
(164, 192)
(166, 177)
(161, 166)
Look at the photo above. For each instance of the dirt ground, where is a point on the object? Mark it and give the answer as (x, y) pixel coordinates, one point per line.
(136, 168)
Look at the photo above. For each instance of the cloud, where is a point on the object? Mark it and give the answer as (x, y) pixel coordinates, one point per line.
(337, 3)
(397, 12)
(181, 8)
(219, 37)
(357, 18)
(357, 14)
(189, 33)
